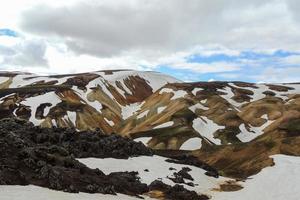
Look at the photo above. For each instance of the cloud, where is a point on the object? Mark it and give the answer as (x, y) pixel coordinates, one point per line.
(6, 51)
(26, 53)
(279, 75)
(193, 40)
(206, 68)
(111, 28)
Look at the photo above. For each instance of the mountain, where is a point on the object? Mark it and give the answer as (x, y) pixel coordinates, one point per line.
(85, 101)
(232, 129)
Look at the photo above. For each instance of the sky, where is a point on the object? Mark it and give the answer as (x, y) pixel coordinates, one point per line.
(253, 40)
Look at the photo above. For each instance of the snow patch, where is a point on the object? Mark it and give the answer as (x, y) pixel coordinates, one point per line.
(129, 110)
(16, 192)
(203, 101)
(195, 90)
(155, 79)
(228, 96)
(72, 117)
(176, 94)
(197, 106)
(158, 169)
(3, 79)
(34, 102)
(206, 128)
(191, 144)
(164, 125)
(144, 140)
(143, 114)
(111, 123)
(160, 109)
(248, 135)
(278, 182)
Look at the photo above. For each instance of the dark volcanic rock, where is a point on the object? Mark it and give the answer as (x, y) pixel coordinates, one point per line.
(177, 192)
(191, 160)
(46, 158)
(181, 175)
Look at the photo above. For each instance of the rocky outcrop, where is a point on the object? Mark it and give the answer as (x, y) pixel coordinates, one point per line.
(46, 158)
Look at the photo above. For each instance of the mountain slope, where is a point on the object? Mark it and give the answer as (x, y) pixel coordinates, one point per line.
(85, 101)
(234, 128)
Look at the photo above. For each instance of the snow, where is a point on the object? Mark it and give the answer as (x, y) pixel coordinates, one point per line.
(16, 192)
(3, 79)
(164, 125)
(259, 130)
(206, 128)
(191, 144)
(155, 79)
(264, 116)
(119, 90)
(160, 109)
(72, 117)
(18, 81)
(247, 136)
(22, 80)
(203, 101)
(34, 102)
(129, 110)
(283, 94)
(197, 106)
(95, 104)
(111, 123)
(195, 90)
(127, 90)
(46, 110)
(166, 90)
(158, 169)
(176, 94)
(54, 122)
(295, 86)
(228, 96)
(4, 97)
(143, 114)
(272, 183)
(144, 140)
(258, 92)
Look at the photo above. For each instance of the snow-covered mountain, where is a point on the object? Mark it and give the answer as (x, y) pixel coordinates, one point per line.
(85, 101)
(234, 127)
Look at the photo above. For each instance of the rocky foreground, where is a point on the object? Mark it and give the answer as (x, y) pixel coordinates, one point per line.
(46, 157)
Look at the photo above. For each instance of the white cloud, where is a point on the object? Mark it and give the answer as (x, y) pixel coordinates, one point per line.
(278, 75)
(77, 35)
(106, 29)
(206, 67)
(25, 53)
(291, 60)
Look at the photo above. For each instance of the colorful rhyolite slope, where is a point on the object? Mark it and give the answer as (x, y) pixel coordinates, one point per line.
(236, 127)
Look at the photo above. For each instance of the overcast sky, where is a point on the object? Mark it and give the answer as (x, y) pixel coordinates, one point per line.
(193, 40)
